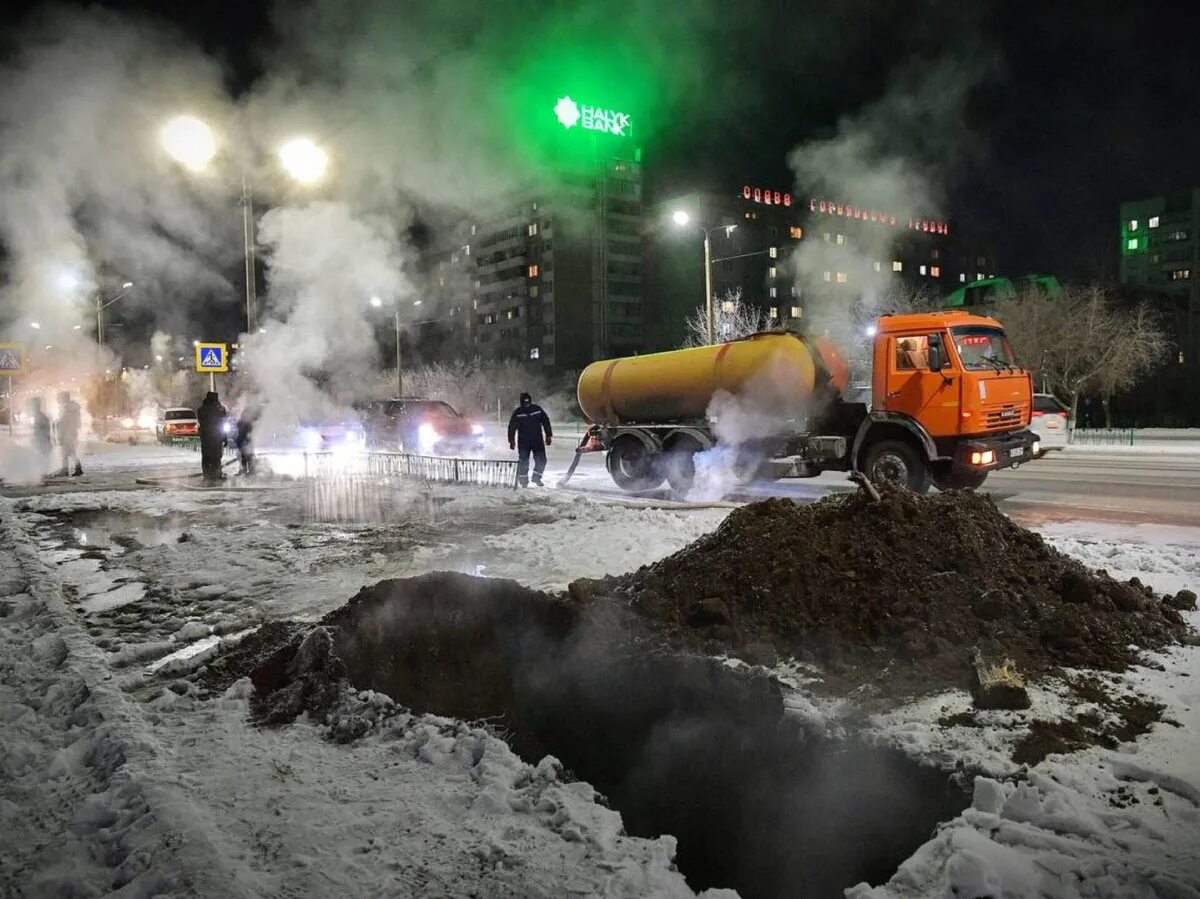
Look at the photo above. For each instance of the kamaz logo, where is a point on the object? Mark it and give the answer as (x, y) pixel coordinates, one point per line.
(1010, 413)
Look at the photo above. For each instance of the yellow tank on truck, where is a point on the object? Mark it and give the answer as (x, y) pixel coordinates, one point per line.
(776, 369)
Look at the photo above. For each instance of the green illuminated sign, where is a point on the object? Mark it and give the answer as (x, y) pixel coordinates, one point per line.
(592, 118)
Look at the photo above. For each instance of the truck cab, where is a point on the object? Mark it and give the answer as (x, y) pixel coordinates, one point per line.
(948, 402)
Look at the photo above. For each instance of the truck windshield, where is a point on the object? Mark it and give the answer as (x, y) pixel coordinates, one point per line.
(982, 347)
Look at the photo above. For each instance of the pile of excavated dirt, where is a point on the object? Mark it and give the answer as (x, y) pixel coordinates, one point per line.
(894, 592)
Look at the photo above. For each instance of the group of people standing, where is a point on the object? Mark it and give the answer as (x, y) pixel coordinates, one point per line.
(214, 436)
(63, 431)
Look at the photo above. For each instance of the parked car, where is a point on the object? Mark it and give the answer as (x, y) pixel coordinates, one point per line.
(177, 423)
(417, 425)
(1049, 421)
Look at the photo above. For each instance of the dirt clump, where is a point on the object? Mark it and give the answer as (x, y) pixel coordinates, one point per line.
(896, 593)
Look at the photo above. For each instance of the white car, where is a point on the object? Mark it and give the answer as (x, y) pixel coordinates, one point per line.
(177, 423)
(1049, 421)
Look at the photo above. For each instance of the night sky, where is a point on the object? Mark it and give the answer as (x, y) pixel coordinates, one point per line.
(1083, 104)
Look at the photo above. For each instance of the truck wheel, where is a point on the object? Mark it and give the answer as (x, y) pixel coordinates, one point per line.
(679, 462)
(897, 463)
(632, 466)
(959, 480)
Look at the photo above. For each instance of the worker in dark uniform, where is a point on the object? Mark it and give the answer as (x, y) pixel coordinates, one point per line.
(211, 416)
(243, 437)
(525, 428)
(43, 440)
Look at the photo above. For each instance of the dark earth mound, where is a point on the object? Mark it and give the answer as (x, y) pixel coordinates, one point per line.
(894, 592)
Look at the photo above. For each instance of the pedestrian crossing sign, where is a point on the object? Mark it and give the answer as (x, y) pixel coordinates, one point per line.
(212, 357)
(12, 358)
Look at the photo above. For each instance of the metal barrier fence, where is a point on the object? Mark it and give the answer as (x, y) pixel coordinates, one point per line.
(1102, 437)
(484, 472)
(328, 466)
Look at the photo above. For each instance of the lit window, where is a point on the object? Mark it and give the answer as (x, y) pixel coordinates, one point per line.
(1133, 224)
(774, 293)
(897, 265)
(795, 291)
(472, 230)
(1181, 274)
(841, 278)
(796, 231)
(771, 272)
(1131, 244)
(533, 229)
(467, 250)
(878, 266)
(826, 236)
(962, 279)
(535, 353)
(533, 290)
(774, 310)
(533, 271)
(797, 312)
(1154, 221)
(935, 270)
(774, 252)
(979, 276)
(829, 276)
(841, 239)
(922, 270)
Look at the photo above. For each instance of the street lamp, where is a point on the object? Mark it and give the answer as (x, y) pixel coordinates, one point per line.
(682, 219)
(377, 303)
(102, 304)
(190, 142)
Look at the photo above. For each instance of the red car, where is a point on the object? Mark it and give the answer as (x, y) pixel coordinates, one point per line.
(177, 423)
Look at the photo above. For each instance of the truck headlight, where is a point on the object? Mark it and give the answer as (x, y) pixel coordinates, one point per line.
(1037, 447)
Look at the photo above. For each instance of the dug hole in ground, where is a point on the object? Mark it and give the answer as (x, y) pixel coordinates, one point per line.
(787, 696)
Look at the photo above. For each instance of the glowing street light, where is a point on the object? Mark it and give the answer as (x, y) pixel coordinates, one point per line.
(303, 160)
(36, 326)
(681, 218)
(376, 302)
(189, 141)
(68, 281)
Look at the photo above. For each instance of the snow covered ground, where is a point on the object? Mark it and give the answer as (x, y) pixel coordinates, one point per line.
(116, 773)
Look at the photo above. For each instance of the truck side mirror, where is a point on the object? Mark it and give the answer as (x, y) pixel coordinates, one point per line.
(935, 352)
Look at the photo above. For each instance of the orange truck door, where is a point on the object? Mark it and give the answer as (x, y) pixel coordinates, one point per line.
(913, 390)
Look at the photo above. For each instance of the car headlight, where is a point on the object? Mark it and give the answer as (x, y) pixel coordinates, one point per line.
(310, 440)
(226, 427)
(427, 435)
(477, 430)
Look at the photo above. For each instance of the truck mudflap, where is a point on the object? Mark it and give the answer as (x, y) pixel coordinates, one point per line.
(991, 453)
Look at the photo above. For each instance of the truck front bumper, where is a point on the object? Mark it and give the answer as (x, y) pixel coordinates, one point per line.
(992, 453)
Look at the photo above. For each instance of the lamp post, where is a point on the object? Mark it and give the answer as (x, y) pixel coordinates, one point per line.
(190, 142)
(377, 302)
(682, 219)
(102, 304)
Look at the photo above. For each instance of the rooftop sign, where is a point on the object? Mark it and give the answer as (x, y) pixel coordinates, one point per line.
(592, 118)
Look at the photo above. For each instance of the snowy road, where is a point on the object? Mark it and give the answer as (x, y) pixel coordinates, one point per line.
(1116, 485)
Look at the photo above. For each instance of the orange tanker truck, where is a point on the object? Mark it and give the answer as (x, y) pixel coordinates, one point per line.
(946, 404)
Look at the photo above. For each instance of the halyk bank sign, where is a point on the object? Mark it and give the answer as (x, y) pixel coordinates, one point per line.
(592, 118)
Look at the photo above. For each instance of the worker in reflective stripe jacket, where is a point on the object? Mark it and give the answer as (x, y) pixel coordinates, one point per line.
(525, 428)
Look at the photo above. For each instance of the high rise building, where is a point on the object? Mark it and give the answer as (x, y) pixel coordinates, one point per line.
(1160, 257)
(552, 275)
(779, 251)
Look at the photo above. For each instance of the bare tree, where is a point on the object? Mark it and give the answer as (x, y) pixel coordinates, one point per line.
(1082, 340)
(732, 319)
